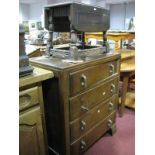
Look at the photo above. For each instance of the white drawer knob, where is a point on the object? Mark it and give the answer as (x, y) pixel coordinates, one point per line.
(103, 93)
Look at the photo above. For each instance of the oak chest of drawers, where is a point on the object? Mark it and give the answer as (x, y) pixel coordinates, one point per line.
(80, 102)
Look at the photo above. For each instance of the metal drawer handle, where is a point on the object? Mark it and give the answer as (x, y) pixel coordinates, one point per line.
(83, 125)
(83, 108)
(111, 106)
(83, 80)
(112, 68)
(113, 88)
(109, 123)
(83, 144)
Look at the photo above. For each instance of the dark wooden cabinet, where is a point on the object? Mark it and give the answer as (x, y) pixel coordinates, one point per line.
(80, 102)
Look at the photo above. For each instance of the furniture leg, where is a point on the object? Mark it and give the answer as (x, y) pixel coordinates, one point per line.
(116, 46)
(124, 91)
(121, 43)
(112, 130)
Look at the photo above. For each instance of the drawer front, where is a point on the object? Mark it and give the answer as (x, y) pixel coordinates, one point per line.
(82, 103)
(31, 136)
(88, 139)
(28, 98)
(82, 79)
(94, 116)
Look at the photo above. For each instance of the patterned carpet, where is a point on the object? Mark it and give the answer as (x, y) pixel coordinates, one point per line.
(123, 141)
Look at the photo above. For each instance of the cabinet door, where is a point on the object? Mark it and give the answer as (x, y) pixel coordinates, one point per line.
(31, 139)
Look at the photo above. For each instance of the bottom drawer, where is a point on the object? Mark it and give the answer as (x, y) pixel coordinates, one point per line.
(82, 125)
(89, 138)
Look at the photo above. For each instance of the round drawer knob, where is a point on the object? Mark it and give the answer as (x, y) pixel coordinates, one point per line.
(103, 93)
(98, 111)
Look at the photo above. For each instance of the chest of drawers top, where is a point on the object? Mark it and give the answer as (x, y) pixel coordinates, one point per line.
(58, 64)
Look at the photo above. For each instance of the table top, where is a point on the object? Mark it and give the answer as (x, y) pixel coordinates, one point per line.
(31, 48)
(126, 54)
(119, 33)
(109, 33)
(128, 65)
(38, 75)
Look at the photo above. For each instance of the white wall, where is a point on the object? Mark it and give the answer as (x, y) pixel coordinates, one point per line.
(88, 1)
(120, 15)
(130, 12)
(61, 1)
(103, 4)
(24, 12)
(117, 15)
(36, 11)
(52, 1)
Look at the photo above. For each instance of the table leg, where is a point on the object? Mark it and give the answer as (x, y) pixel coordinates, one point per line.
(121, 43)
(86, 39)
(124, 91)
(116, 46)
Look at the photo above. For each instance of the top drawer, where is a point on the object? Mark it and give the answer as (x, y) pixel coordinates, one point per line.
(28, 98)
(84, 78)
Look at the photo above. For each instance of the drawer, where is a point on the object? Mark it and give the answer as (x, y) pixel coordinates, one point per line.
(28, 98)
(82, 103)
(94, 116)
(88, 139)
(82, 79)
